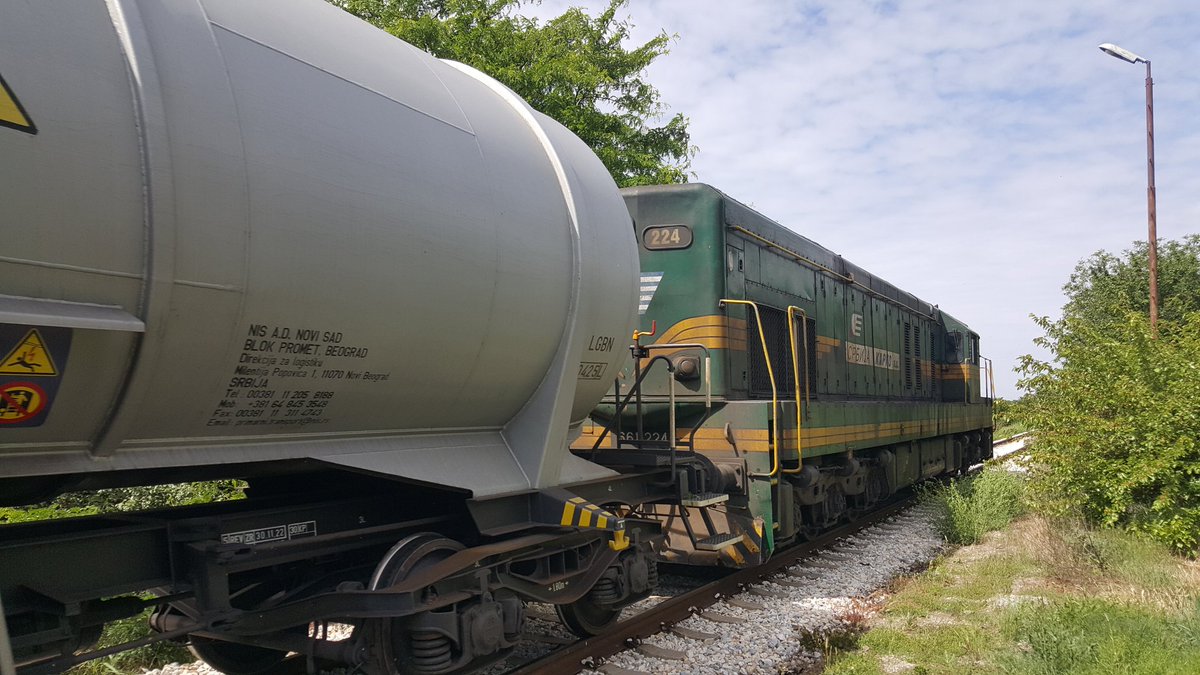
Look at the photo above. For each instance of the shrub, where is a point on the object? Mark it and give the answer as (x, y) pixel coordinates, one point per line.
(1118, 425)
(151, 496)
(1117, 410)
(1008, 418)
(973, 506)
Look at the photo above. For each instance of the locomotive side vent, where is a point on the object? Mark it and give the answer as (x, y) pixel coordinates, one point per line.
(908, 359)
(775, 329)
(919, 362)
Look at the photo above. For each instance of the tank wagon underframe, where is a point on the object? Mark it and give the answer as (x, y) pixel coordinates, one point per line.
(258, 571)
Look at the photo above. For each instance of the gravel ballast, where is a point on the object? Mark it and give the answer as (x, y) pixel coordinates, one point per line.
(834, 580)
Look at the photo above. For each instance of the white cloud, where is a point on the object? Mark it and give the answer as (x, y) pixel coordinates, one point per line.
(969, 152)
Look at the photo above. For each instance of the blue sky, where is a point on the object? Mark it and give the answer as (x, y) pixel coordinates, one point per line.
(969, 152)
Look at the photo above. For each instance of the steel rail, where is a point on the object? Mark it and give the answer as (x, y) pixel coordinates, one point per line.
(590, 652)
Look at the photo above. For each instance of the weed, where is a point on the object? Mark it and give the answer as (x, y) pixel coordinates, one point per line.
(151, 656)
(973, 506)
(1089, 635)
(845, 632)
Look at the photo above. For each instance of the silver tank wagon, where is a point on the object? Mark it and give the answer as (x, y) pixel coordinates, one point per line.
(264, 231)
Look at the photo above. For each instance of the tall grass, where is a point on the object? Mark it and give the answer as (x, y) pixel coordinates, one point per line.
(973, 506)
(1092, 635)
(151, 656)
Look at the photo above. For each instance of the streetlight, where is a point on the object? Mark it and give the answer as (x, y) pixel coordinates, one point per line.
(1126, 55)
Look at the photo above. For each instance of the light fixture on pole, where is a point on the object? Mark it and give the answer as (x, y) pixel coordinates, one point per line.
(1126, 55)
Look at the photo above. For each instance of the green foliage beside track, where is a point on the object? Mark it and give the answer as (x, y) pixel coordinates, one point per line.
(1042, 596)
(152, 656)
(969, 508)
(1007, 418)
(1088, 635)
(574, 68)
(114, 500)
(1117, 412)
(1104, 287)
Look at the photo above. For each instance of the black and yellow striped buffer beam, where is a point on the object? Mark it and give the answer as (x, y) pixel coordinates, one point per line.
(560, 507)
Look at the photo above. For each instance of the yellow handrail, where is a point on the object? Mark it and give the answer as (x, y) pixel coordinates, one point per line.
(792, 309)
(762, 337)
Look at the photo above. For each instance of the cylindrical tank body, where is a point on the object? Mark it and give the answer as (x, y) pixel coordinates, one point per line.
(254, 231)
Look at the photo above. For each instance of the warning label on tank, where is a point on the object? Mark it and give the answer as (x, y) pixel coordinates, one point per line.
(33, 363)
(29, 357)
(12, 113)
(288, 376)
(21, 402)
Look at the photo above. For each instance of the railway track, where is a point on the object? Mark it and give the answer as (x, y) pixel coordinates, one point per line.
(737, 587)
(591, 653)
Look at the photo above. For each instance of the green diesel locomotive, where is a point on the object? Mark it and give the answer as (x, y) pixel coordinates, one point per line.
(785, 387)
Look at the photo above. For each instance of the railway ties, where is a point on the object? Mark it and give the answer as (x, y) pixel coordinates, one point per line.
(731, 608)
(813, 579)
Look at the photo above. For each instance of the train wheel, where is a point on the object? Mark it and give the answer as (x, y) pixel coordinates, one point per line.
(835, 505)
(877, 484)
(394, 648)
(232, 658)
(585, 618)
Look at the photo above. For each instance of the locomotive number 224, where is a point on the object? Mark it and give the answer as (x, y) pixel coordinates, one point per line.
(667, 237)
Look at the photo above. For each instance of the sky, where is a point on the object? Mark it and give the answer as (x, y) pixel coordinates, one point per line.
(968, 152)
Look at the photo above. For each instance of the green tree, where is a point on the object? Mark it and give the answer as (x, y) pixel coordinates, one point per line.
(1104, 286)
(1116, 412)
(574, 68)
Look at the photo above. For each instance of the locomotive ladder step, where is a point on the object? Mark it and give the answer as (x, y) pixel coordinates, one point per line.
(717, 542)
(705, 499)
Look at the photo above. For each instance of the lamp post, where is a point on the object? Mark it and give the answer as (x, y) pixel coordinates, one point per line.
(1152, 217)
